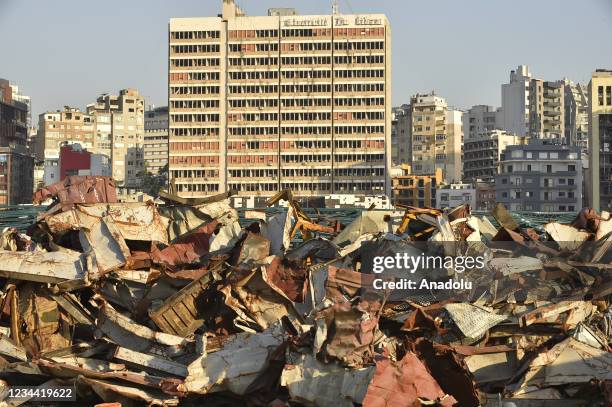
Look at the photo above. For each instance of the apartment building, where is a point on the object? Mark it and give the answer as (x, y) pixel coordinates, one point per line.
(576, 115)
(533, 107)
(480, 119)
(541, 177)
(483, 152)
(64, 127)
(401, 139)
(599, 183)
(156, 139)
(436, 137)
(125, 112)
(516, 101)
(16, 163)
(259, 104)
(411, 189)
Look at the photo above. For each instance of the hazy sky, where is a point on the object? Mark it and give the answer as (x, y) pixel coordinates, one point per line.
(66, 52)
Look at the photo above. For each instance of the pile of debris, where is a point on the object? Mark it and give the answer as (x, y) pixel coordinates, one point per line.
(178, 304)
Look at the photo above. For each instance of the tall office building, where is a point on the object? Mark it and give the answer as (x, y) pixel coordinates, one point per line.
(437, 135)
(259, 104)
(156, 139)
(599, 183)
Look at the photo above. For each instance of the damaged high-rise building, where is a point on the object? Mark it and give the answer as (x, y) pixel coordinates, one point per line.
(260, 104)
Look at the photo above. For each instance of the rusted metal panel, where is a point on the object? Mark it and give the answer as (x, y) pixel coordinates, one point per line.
(406, 382)
(43, 267)
(79, 189)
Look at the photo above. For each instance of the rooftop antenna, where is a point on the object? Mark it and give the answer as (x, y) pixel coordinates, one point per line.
(335, 8)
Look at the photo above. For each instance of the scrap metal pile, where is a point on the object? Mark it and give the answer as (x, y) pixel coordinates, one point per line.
(178, 304)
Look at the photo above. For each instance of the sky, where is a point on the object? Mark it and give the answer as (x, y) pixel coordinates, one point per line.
(67, 52)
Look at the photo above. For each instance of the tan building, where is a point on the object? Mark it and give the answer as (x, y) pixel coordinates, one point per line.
(126, 114)
(415, 190)
(259, 104)
(599, 179)
(546, 109)
(156, 139)
(437, 134)
(63, 126)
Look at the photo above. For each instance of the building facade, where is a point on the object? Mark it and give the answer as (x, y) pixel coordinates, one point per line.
(156, 139)
(418, 190)
(401, 140)
(483, 152)
(576, 115)
(259, 104)
(534, 107)
(64, 127)
(16, 163)
(437, 134)
(541, 177)
(480, 119)
(126, 114)
(453, 195)
(600, 129)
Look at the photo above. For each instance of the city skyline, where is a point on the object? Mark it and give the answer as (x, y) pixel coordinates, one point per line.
(135, 54)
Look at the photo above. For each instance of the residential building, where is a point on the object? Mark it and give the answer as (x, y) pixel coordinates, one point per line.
(547, 110)
(600, 141)
(411, 189)
(401, 139)
(482, 153)
(126, 114)
(533, 107)
(436, 137)
(16, 164)
(485, 195)
(260, 104)
(63, 127)
(74, 160)
(576, 115)
(515, 102)
(453, 195)
(480, 119)
(156, 139)
(540, 176)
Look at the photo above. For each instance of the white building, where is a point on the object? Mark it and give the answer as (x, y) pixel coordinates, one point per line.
(453, 195)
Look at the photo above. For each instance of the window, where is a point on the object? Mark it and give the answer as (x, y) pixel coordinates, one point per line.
(528, 167)
(562, 207)
(600, 94)
(554, 156)
(570, 181)
(609, 95)
(543, 155)
(561, 181)
(504, 195)
(529, 154)
(571, 168)
(549, 168)
(561, 194)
